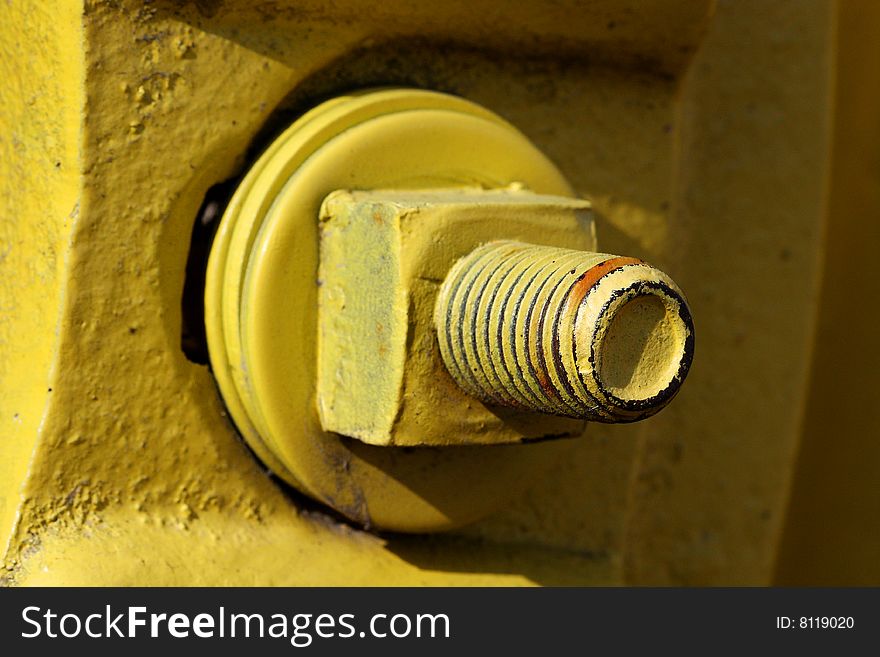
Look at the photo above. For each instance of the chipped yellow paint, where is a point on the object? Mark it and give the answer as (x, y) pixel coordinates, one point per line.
(129, 471)
(574, 333)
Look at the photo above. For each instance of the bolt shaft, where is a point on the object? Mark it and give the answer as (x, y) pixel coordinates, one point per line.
(585, 335)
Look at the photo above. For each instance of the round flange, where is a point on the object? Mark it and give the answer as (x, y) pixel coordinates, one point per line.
(261, 301)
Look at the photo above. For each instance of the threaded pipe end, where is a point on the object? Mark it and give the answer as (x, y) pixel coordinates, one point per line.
(584, 335)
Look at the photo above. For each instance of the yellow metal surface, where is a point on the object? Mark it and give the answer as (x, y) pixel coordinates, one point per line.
(384, 255)
(41, 100)
(702, 144)
(832, 530)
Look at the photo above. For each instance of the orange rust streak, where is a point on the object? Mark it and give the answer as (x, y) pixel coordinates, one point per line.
(545, 384)
(592, 276)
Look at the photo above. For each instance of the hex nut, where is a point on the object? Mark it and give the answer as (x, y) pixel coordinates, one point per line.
(384, 255)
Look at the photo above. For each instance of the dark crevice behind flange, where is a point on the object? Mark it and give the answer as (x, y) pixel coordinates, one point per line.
(193, 340)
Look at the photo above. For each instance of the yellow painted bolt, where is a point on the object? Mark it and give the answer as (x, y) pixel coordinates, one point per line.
(585, 335)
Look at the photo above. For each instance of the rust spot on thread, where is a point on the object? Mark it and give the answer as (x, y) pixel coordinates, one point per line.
(545, 384)
(592, 276)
